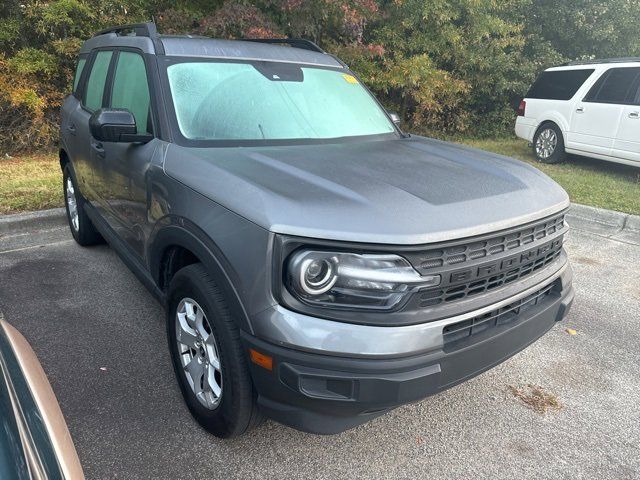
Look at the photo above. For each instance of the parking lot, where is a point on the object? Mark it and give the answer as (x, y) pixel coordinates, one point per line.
(100, 337)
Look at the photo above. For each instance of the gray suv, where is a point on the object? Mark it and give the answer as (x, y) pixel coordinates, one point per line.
(318, 266)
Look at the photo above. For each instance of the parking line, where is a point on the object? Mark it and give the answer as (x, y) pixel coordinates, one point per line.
(36, 246)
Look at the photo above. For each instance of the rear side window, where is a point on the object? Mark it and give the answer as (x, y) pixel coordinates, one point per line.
(558, 84)
(131, 88)
(79, 68)
(615, 86)
(97, 80)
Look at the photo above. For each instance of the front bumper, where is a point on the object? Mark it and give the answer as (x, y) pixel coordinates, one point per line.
(329, 393)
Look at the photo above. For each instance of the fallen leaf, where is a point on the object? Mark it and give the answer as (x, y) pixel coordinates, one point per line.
(571, 331)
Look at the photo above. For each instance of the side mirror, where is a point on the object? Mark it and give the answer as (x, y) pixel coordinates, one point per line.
(115, 125)
(395, 118)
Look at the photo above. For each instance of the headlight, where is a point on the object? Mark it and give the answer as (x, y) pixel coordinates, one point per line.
(349, 280)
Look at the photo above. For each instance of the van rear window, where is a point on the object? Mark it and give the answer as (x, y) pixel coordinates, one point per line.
(559, 84)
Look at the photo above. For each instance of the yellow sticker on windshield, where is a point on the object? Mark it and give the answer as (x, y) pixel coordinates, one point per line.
(349, 78)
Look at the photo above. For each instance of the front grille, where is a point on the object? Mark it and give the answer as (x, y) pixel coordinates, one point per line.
(460, 333)
(433, 297)
(530, 235)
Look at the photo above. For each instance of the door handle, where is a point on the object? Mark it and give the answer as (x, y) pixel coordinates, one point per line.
(580, 109)
(97, 146)
(635, 115)
(72, 128)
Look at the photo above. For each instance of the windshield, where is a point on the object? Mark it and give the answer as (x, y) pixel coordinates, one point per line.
(271, 101)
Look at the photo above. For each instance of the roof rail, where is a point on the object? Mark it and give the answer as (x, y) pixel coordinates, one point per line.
(147, 29)
(294, 42)
(604, 60)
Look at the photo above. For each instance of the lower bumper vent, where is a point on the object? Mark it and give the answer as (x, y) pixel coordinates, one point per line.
(457, 334)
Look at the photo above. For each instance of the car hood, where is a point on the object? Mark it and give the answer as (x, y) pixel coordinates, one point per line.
(402, 191)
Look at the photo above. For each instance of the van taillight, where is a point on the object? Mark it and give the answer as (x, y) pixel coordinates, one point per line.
(521, 108)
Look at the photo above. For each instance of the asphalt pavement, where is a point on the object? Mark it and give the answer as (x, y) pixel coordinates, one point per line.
(100, 337)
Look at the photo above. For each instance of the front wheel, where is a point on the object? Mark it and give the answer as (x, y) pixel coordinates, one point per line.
(548, 144)
(207, 355)
(81, 227)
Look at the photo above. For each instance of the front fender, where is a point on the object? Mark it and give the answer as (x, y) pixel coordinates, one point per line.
(180, 232)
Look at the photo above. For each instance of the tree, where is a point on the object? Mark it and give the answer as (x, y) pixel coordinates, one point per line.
(583, 28)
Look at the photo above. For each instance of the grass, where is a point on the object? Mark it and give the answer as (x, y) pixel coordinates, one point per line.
(31, 182)
(588, 181)
(34, 182)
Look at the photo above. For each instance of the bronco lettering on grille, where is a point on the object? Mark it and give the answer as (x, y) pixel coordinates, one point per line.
(489, 269)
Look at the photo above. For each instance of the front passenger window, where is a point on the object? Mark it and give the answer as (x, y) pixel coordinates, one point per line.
(131, 89)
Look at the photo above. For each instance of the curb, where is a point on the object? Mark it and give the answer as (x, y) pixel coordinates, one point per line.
(633, 222)
(608, 223)
(32, 221)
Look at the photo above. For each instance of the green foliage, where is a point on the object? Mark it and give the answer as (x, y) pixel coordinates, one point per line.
(9, 32)
(447, 66)
(59, 19)
(585, 28)
(31, 60)
(468, 39)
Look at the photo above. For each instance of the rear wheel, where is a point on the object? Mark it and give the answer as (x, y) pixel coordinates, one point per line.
(207, 355)
(548, 144)
(81, 227)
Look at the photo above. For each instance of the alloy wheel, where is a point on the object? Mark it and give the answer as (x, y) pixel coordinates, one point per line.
(72, 205)
(198, 352)
(546, 143)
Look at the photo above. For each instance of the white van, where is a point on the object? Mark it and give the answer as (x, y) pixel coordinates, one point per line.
(585, 108)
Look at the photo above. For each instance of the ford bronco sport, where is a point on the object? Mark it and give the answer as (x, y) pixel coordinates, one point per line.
(318, 266)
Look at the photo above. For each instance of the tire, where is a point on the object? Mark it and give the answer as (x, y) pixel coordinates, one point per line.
(80, 225)
(226, 404)
(548, 144)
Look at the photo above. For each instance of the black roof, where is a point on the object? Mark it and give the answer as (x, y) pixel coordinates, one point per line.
(145, 37)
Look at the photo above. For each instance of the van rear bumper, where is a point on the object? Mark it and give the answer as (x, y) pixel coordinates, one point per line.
(327, 394)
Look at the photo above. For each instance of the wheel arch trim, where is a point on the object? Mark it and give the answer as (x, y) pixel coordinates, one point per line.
(553, 117)
(180, 232)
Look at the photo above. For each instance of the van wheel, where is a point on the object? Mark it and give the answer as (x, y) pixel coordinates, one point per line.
(81, 227)
(208, 359)
(548, 144)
